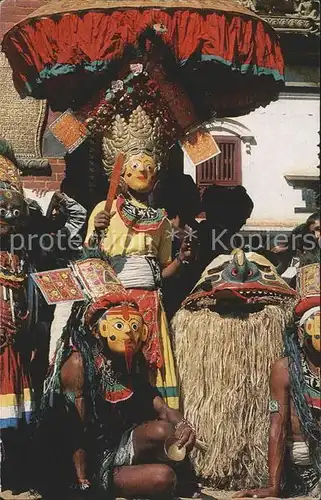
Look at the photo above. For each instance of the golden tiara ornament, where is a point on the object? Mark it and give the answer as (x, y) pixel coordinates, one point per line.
(308, 283)
(134, 136)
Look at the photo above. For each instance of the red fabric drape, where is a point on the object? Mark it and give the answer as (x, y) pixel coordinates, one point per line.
(78, 39)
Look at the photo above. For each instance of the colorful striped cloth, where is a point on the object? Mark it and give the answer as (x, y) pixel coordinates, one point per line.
(16, 398)
(14, 408)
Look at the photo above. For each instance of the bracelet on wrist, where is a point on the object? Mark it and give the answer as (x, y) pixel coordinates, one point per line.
(179, 258)
(184, 422)
(83, 485)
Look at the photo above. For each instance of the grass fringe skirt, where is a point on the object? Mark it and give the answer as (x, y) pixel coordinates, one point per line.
(224, 367)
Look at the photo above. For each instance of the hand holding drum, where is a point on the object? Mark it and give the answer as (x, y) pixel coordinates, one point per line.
(182, 442)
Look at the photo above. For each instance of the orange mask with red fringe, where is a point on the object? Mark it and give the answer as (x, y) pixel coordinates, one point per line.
(124, 330)
(122, 327)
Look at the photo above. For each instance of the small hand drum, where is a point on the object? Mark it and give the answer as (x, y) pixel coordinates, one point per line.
(172, 451)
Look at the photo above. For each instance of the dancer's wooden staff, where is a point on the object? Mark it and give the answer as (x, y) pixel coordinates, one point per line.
(200, 445)
(114, 182)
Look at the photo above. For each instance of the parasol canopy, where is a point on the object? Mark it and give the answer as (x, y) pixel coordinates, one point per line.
(229, 59)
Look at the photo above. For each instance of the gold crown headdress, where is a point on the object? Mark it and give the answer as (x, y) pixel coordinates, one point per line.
(8, 171)
(308, 287)
(308, 284)
(136, 135)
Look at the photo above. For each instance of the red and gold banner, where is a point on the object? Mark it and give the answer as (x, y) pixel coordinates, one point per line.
(58, 286)
(97, 277)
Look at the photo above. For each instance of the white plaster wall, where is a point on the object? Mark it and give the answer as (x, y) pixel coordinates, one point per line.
(42, 200)
(286, 135)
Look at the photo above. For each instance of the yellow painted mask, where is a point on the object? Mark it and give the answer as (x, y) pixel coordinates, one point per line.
(312, 330)
(124, 330)
(140, 173)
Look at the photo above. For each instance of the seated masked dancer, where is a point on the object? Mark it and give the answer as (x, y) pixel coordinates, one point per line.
(138, 238)
(105, 428)
(16, 398)
(295, 425)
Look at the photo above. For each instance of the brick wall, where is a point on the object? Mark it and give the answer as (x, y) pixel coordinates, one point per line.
(11, 12)
(47, 183)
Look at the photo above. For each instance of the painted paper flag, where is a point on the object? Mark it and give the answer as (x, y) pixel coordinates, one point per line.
(69, 131)
(200, 146)
(97, 277)
(59, 285)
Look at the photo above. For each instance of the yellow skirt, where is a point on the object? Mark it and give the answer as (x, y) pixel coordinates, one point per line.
(164, 378)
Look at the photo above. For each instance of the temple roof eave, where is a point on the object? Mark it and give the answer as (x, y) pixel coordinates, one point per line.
(292, 24)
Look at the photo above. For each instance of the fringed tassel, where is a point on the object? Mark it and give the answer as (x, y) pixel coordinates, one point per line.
(74, 337)
(310, 427)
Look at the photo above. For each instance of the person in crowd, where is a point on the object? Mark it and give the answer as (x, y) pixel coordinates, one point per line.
(55, 239)
(137, 238)
(295, 425)
(72, 217)
(303, 246)
(312, 249)
(176, 288)
(226, 212)
(239, 209)
(120, 438)
(179, 195)
(16, 394)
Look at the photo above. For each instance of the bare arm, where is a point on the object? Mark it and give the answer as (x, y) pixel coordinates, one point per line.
(279, 386)
(92, 228)
(165, 412)
(183, 431)
(279, 389)
(72, 379)
(183, 256)
(172, 268)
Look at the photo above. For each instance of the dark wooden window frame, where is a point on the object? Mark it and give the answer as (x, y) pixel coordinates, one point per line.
(205, 171)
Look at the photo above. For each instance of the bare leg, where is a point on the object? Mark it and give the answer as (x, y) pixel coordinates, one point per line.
(149, 439)
(150, 481)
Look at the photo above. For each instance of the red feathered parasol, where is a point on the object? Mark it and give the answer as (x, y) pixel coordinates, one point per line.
(228, 58)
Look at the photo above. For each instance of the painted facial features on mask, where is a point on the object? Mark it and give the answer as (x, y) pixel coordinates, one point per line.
(311, 331)
(140, 173)
(13, 209)
(249, 278)
(123, 328)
